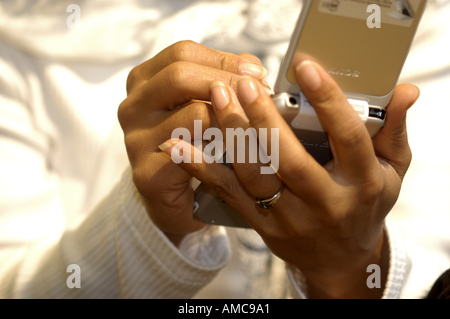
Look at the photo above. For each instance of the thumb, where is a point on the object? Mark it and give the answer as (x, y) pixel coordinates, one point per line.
(391, 143)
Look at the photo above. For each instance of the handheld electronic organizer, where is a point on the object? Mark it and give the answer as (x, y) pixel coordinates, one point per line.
(362, 46)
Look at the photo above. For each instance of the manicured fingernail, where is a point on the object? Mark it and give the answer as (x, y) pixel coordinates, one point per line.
(247, 90)
(164, 146)
(309, 75)
(254, 70)
(267, 88)
(219, 95)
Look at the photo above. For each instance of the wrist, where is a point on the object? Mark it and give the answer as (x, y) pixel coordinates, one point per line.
(176, 239)
(355, 279)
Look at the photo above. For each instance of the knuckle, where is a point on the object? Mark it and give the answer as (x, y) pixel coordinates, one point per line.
(232, 81)
(133, 77)
(124, 113)
(250, 57)
(131, 141)
(183, 50)
(334, 220)
(149, 181)
(141, 179)
(372, 189)
(199, 111)
(133, 146)
(334, 211)
(352, 202)
(252, 175)
(129, 112)
(186, 117)
(179, 74)
(228, 62)
(224, 190)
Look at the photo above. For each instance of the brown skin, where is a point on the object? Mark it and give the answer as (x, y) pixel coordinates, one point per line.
(329, 220)
(164, 93)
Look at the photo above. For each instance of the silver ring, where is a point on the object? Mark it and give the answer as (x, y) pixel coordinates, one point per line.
(266, 203)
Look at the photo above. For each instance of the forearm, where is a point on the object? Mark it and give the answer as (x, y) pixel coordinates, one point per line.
(120, 254)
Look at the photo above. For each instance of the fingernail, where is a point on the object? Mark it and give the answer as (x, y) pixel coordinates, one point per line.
(164, 146)
(417, 92)
(309, 75)
(254, 70)
(247, 90)
(267, 88)
(219, 95)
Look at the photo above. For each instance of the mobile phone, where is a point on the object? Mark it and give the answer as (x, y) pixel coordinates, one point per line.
(363, 57)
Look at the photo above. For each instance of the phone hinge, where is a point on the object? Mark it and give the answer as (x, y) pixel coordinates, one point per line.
(307, 119)
(361, 107)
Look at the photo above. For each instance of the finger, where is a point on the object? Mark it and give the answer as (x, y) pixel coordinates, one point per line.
(391, 143)
(189, 51)
(352, 147)
(228, 186)
(250, 58)
(188, 123)
(152, 170)
(303, 175)
(180, 83)
(217, 176)
(167, 192)
(242, 145)
(223, 181)
(172, 210)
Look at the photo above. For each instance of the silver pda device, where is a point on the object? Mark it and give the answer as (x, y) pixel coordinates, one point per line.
(363, 45)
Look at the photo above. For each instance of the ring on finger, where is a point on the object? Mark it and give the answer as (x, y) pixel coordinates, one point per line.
(266, 203)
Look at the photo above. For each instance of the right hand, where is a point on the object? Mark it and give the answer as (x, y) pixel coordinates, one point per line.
(170, 91)
(329, 221)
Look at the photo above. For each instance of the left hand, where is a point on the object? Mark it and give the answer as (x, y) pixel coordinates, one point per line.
(169, 91)
(329, 219)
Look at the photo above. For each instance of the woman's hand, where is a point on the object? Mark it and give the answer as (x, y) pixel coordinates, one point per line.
(328, 221)
(165, 93)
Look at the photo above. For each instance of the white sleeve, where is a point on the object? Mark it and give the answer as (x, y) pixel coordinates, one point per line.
(120, 254)
(118, 251)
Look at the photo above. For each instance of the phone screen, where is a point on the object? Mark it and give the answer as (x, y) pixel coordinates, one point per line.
(342, 36)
